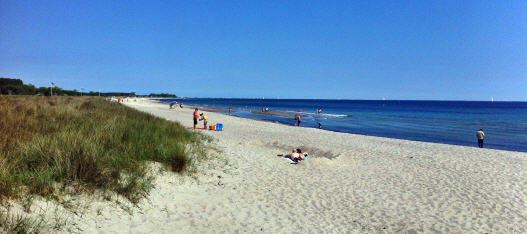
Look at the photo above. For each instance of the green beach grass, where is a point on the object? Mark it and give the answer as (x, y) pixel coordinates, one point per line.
(86, 143)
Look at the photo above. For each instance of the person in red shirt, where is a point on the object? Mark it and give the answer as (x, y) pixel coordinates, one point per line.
(195, 117)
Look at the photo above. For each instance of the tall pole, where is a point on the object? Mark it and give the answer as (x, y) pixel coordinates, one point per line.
(52, 89)
(81, 91)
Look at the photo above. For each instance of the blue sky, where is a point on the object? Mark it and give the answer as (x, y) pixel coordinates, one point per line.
(444, 50)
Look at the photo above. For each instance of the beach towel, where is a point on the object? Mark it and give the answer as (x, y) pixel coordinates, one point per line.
(291, 161)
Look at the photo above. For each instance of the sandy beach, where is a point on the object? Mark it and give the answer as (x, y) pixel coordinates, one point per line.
(350, 184)
(414, 116)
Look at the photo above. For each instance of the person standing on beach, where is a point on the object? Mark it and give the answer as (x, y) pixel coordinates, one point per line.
(204, 118)
(481, 136)
(195, 117)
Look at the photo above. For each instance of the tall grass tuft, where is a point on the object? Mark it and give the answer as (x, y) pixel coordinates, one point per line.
(18, 223)
(86, 143)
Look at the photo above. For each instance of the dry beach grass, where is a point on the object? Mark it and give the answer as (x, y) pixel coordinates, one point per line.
(76, 144)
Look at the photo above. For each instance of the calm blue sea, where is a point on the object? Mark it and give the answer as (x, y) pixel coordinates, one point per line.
(450, 122)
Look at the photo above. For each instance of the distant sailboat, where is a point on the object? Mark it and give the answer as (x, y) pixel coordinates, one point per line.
(491, 99)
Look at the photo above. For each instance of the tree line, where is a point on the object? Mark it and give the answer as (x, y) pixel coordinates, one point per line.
(9, 86)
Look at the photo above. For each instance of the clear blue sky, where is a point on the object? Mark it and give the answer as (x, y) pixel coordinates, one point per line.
(446, 50)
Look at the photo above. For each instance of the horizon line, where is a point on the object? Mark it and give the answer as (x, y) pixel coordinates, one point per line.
(357, 99)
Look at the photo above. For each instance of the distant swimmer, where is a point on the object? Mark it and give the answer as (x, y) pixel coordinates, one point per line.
(481, 136)
(319, 111)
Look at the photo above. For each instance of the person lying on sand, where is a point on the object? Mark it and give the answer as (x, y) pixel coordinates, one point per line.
(300, 156)
(296, 155)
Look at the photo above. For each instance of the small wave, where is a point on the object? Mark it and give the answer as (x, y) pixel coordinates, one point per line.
(321, 114)
(334, 115)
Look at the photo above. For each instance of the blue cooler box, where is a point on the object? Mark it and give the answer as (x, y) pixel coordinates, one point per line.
(219, 127)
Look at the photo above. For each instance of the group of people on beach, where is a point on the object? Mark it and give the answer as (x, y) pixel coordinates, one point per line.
(298, 118)
(120, 99)
(173, 105)
(480, 135)
(202, 117)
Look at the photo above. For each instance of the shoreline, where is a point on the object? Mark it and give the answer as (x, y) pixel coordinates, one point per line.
(353, 183)
(224, 112)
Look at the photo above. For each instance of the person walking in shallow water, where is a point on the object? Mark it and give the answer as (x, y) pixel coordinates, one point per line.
(481, 136)
(297, 120)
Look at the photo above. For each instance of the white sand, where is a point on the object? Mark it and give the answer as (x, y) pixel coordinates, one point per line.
(370, 185)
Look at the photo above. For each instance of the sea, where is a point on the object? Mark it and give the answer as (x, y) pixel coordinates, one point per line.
(448, 122)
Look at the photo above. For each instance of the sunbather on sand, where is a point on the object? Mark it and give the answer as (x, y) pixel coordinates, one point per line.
(296, 155)
(300, 156)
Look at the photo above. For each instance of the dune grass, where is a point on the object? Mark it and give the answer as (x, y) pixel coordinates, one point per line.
(85, 143)
(18, 223)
